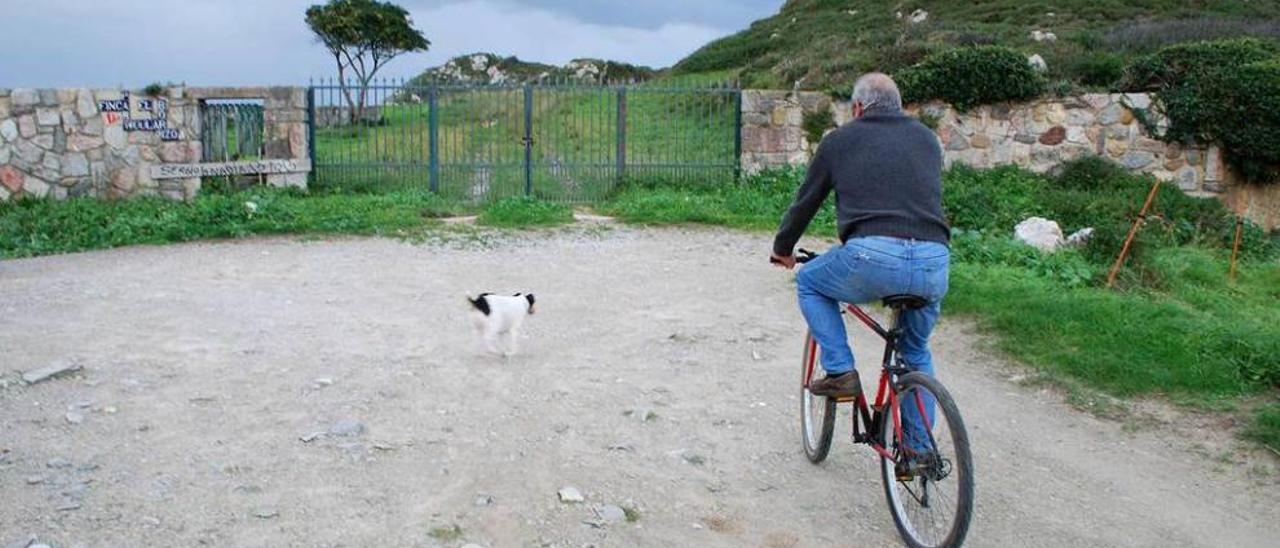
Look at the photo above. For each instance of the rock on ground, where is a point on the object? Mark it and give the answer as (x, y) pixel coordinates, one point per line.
(1039, 233)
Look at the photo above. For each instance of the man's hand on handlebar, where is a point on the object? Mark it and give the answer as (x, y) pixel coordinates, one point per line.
(790, 261)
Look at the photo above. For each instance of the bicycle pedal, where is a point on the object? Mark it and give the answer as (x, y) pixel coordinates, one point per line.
(846, 399)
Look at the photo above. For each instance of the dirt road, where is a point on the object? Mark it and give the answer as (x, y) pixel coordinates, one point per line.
(658, 376)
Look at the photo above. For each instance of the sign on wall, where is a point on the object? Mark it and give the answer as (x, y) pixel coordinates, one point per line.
(265, 167)
(121, 110)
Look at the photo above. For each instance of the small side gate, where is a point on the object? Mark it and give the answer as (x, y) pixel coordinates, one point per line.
(563, 142)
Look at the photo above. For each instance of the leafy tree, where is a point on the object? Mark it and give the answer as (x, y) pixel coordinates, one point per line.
(363, 36)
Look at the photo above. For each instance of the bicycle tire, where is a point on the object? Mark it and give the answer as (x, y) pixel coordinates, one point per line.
(816, 438)
(962, 467)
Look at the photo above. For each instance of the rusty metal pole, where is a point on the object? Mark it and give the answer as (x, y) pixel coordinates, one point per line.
(1133, 231)
(1235, 247)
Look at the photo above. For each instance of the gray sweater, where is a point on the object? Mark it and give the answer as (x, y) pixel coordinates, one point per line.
(886, 170)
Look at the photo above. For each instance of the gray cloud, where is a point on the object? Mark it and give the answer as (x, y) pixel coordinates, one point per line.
(236, 42)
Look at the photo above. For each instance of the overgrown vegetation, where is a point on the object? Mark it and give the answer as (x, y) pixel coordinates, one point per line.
(41, 227)
(1226, 92)
(967, 77)
(1176, 327)
(824, 44)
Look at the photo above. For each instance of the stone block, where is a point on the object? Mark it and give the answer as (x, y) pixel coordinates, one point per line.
(1054, 136)
(5, 111)
(124, 180)
(174, 153)
(1188, 178)
(70, 122)
(957, 141)
(1138, 100)
(11, 178)
(92, 125)
(8, 130)
(85, 106)
(27, 126)
(1214, 187)
(1194, 156)
(1111, 114)
(65, 96)
(980, 141)
(114, 135)
(79, 142)
(24, 99)
(29, 152)
(36, 187)
(1213, 164)
(1137, 159)
(75, 164)
(43, 141)
(1080, 117)
(48, 98)
(5, 153)
(1055, 113)
(1025, 138)
(297, 141)
(4, 193)
(1077, 135)
(1174, 164)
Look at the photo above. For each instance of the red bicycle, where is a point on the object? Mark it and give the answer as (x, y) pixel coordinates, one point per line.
(915, 428)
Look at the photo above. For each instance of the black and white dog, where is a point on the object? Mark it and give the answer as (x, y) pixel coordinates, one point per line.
(496, 316)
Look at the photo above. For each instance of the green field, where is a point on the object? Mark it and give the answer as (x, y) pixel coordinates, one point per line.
(673, 133)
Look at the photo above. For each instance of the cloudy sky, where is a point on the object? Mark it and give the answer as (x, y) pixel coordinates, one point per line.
(233, 42)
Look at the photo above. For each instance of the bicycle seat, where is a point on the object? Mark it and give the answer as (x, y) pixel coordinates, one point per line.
(905, 302)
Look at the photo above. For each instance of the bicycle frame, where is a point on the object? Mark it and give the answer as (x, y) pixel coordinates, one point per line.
(871, 416)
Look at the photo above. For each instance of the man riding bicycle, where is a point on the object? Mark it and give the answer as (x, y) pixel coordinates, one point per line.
(886, 171)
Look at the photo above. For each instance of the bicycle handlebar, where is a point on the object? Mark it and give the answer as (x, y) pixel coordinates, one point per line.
(802, 256)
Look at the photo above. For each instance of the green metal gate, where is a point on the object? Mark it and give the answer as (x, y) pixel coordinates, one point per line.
(563, 142)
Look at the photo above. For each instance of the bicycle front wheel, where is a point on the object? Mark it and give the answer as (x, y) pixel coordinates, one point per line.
(817, 413)
(929, 479)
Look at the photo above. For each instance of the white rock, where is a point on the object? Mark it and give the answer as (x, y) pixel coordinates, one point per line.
(75, 417)
(611, 514)
(1043, 36)
(571, 495)
(9, 130)
(919, 16)
(1037, 62)
(1080, 237)
(347, 428)
(1040, 233)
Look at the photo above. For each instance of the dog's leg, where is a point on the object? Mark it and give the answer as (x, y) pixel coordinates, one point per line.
(491, 341)
(512, 345)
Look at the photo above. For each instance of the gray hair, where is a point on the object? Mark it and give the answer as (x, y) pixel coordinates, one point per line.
(877, 91)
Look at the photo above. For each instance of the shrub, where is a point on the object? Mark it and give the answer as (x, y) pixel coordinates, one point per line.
(1226, 92)
(967, 77)
(1099, 69)
(816, 124)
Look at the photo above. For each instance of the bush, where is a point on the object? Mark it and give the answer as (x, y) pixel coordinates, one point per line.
(1226, 92)
(967, 77)
(816, 124)
(1101, 69)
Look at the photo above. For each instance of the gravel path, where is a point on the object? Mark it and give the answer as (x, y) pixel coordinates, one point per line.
(272, 392)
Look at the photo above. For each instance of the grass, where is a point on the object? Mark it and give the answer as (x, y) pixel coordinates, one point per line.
(1266, 428)
(525, 212)
(821, 45)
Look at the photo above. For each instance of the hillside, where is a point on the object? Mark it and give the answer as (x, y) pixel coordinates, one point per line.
(824, 44)
(487, 68)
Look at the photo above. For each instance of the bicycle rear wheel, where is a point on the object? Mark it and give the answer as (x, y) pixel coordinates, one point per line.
(929, 480)
(817, 413)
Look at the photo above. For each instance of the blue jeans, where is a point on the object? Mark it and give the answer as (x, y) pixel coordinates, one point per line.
(864, 270)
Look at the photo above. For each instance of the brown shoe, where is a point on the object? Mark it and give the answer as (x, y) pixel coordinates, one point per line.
(847, 385)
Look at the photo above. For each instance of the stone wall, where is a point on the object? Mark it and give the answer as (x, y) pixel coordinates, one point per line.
(1038, 135)
(104, 143)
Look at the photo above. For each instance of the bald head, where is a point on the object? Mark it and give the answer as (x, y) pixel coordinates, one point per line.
(876, 91)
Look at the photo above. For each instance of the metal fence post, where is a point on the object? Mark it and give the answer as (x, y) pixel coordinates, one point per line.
(433, 136)
(528, 140)
(311, 131)
(622, 134)
(737, 136)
